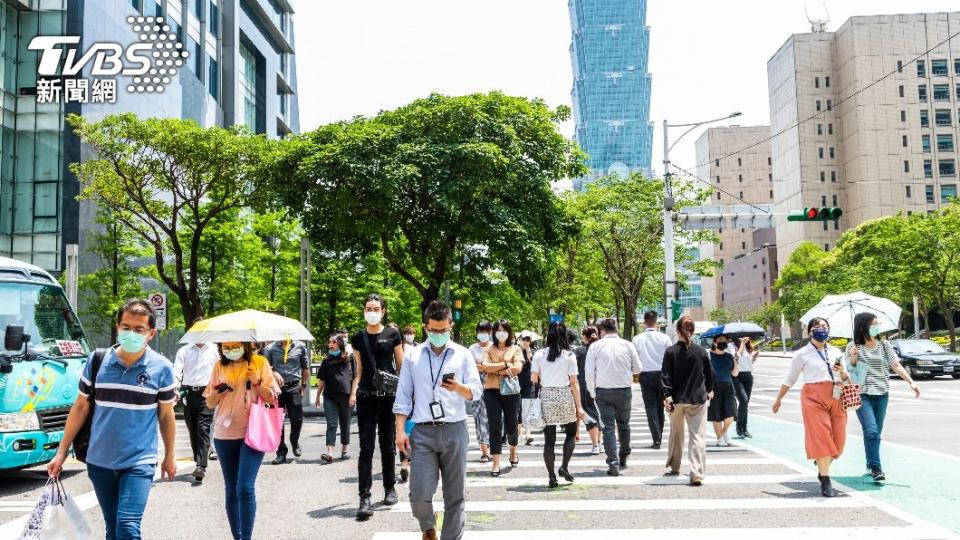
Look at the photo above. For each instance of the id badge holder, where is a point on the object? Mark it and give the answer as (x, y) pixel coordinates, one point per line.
(436, 409)
(837, 392)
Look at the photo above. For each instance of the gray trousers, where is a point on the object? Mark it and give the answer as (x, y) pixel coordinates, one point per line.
(614, 405)
(439, 452)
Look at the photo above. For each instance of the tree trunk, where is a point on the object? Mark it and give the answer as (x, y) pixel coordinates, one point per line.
(630, 317)
(432, 293)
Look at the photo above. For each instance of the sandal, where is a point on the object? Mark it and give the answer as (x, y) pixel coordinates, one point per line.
(495, 473)
(485, 459)
(345, 455)
(327, 458)
(515, 463)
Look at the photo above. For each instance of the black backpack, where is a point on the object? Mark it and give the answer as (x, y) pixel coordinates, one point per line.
(81, 443)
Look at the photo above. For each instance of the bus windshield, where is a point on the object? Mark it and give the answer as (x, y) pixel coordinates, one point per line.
(46, 315)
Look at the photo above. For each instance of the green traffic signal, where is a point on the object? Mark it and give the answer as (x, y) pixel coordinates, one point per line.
(816, 214)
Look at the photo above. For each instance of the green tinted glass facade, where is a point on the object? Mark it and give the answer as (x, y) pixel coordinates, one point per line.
(31, 144)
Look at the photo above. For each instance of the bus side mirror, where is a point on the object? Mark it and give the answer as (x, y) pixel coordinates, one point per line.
(14, 338)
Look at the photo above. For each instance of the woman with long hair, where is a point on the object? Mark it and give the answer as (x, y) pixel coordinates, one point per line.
(723, 405)
(239, 378)
(824, 418)
(502, 360)
(869, 359)
(554, 369)
(743, 384)
(335, 381)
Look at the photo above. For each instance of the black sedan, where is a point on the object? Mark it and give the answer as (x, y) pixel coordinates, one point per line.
(923, 358)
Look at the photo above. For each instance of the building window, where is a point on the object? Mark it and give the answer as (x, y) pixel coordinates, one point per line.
(816, 82)
(899, 66)
(194, 49)
(831, 153)
(948, 169)
(819, 129)
(818, 104)
(770, 177)
(718, 179)
(769, 161)
(820, 152)
(834, 200)
(948, 192)
(771, 194)
(925, 143)
(740, 178)
(213, 23)
(904, 138)
(198, 8)
(823, 200)
(924, 118)
(901, 91)
(956, 66)
(922, 93)
(825, 225)
(903, 116)
(721, 249)
(826, 247)
(906, 166)
(938, 68)
(829, 104)
(826, 82)
(945, 142)
(823, 176)
(829, 129)
(739, 162)
(833, 176)
(909, 194)
(743, 245)
(942, 117)
(248, 87)
(716, 162)
(741, 196)
(927, 168)
(213, 77)
(137, 5)
(941, 92)
(718, 195)
(282, 102)
(928, 191)
(921, 68)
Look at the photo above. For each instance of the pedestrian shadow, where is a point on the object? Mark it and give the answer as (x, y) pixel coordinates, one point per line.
(340, 510)
(25, 481)
(801, 490)
(865, 483)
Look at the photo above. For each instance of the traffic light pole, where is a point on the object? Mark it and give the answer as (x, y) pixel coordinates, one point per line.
(669, 268)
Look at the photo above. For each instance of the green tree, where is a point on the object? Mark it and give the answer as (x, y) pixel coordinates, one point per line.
(810, 274)
(720, 315)
(166, 180)
(437, 183)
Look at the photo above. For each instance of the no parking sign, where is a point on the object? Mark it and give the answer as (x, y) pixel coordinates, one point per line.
(159, 303)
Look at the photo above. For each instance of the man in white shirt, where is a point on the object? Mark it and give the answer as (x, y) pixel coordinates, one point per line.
(609, 369)
(651, 344)
(192, 370)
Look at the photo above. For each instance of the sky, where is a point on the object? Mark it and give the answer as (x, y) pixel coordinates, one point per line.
(708, 58)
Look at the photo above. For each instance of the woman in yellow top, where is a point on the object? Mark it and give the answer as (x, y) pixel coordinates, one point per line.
(500, 360)
(238, 379)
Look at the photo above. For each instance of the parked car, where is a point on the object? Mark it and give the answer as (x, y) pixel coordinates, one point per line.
(924, 358)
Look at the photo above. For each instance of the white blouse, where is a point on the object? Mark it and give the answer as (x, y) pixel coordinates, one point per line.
(810, 362)
(556, 373)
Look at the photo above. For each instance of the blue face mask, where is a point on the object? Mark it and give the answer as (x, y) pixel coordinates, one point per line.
(439, 339)
(131, 342)
(335, 353)
(821, 335)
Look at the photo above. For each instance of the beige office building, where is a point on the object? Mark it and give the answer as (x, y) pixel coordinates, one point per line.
(746, 176)
(871, 148)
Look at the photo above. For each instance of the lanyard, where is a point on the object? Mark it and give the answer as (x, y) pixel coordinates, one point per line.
(826, 360)
(434, 379)
(286, 351)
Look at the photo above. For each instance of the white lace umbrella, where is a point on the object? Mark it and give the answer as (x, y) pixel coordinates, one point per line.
(840, 309)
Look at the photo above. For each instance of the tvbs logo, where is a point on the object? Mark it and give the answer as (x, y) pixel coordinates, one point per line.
(149, 63)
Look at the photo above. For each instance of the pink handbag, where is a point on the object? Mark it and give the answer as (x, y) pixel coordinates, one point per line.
(264, 426)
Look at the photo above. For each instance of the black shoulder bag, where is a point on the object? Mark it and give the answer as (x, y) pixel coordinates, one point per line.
(81, 443)
(383, 381)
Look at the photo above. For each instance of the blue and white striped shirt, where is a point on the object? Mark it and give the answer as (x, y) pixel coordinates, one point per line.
(124, 429)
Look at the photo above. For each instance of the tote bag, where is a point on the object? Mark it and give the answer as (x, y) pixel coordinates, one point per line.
(264, 426)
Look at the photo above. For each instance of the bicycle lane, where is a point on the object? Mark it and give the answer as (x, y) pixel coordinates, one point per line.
(920, 482)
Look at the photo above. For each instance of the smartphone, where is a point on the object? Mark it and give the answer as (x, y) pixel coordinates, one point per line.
(448, 376)
(222, 387)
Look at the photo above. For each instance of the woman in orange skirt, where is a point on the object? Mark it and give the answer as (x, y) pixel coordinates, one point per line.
(824, 418)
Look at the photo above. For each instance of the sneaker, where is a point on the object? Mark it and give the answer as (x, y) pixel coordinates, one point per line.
(296, 451)
(878, 475)
(212, 456)
(726, 439)
(198, 474)
(390, 497)
(613, 471)
(404, 475)
(672, 473)
(595, 451)
(655, 446)
(366, 509)
(696, 481)
(747, 435)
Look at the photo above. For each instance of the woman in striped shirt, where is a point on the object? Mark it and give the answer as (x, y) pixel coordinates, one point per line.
(870, 360)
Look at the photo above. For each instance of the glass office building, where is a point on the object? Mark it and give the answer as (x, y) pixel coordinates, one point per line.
(611, 85)
(240, 70)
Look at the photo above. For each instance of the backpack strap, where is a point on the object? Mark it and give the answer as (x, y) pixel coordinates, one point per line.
(98, 356)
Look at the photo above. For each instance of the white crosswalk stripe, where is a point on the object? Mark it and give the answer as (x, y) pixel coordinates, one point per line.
(798, 533)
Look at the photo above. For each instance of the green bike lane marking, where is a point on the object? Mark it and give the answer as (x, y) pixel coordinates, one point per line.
(920, 483)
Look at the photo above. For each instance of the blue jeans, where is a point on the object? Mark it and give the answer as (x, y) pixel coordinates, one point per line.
(871, 416)
(122, 495)
(240, 465)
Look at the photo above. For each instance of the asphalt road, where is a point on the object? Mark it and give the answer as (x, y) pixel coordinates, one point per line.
(761, 488)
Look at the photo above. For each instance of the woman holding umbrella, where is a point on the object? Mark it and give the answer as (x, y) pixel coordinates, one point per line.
(824, 418)
(869, 359)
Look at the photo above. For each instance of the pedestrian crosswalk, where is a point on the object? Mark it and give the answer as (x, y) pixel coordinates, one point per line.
(747, 494)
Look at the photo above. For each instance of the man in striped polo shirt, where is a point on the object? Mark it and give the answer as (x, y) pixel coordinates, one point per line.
(134, 391)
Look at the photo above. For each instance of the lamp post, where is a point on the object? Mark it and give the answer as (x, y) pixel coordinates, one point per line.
(274, 244)
(670, 271)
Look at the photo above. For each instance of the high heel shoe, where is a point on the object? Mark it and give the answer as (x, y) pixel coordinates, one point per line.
(554, 483)
(562, 471)
(515, 463)
(495, 473)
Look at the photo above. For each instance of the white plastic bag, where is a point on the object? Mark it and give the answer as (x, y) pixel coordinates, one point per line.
(56, 517)
(31, 531)
(532, 410)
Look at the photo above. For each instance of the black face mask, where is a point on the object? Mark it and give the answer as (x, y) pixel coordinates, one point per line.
(721, 346)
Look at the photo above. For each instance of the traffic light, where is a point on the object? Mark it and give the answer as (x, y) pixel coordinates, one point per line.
(457, 310)
(816, 214)
(676, 310)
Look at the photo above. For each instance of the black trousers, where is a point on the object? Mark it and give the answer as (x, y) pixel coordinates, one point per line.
(651, 389)
(199, 420)
(503, 415)
(743, 386)
(375, 420)
(550, 440)
(291, 399)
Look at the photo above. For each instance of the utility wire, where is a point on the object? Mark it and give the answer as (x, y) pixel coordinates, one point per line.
(718, 188)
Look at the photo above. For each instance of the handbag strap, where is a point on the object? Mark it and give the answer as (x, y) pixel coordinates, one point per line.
(369, 351)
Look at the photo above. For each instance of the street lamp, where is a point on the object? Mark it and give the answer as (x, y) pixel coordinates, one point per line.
(670, 271)
(274, 244)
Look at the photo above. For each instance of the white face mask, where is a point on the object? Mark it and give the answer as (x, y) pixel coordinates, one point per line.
(408, 338)
(373, 318)
(483, 337)
(233, 354)
(502, 336)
